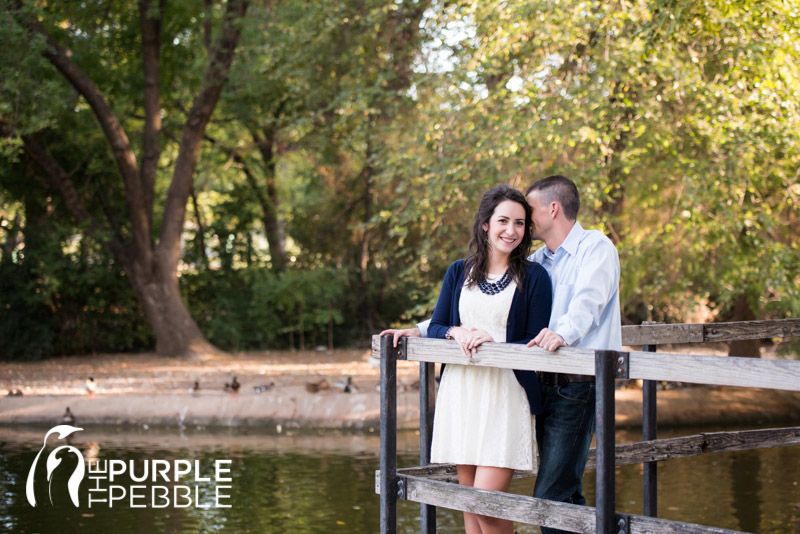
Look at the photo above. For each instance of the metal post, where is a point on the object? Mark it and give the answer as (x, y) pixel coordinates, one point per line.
(605, 370)
(649, 432)
(388, 446)
(427, 402)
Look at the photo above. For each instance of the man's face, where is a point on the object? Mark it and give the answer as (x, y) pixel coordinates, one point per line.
(540, 216)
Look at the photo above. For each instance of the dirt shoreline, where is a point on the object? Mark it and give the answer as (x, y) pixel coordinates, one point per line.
(143, 389)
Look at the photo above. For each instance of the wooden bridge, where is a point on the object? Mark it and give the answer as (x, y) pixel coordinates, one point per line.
(435, 485)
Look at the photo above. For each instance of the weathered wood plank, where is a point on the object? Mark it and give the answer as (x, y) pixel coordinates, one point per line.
(691, 368)
(660, 334)
(507, 355)
(652, 451)
(528, 510)
(746, 440)
(517, 508)
(751, 330)
(716, 370)
(652, 525)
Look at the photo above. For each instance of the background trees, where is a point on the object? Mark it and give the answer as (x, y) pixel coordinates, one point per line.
(343, 145)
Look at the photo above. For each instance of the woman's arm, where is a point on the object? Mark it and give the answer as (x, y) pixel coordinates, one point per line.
(440, 322)
(539, 293)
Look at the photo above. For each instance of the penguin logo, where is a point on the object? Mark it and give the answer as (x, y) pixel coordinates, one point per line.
(52, 462)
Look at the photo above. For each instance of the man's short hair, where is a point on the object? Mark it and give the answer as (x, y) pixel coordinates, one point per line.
(559, 189)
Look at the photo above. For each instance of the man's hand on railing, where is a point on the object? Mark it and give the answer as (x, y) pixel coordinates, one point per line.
(397, 333)
(548, 340)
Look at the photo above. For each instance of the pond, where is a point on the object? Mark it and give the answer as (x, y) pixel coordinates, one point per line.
(248, 481)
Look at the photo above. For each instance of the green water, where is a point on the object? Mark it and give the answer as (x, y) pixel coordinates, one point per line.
(320, 483)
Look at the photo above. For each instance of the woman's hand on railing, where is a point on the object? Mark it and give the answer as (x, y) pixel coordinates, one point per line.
(397, 333)
(468, 340)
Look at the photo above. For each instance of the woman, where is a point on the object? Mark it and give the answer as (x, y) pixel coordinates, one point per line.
(484, 416)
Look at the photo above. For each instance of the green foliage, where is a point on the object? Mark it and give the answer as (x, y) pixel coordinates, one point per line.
(253, 308)
(677, 119)
(54, 305)
(25, 317)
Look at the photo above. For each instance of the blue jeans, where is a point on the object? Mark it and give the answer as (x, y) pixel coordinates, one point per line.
(563, 433)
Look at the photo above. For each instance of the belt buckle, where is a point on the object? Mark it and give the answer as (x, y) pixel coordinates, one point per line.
(562, 380)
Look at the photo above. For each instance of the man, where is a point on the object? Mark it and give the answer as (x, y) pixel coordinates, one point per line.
(584, 270)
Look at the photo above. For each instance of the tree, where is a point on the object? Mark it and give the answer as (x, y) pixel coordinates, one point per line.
(674, 118)
(151, 264)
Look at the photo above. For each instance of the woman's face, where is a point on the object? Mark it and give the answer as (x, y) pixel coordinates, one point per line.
(506, 227)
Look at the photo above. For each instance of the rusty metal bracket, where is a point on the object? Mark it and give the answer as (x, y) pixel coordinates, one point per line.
(623, 524)
(401, 351)
(622, 365)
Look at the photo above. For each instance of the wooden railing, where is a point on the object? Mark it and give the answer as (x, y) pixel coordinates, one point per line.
(662, 334)
(432, 485)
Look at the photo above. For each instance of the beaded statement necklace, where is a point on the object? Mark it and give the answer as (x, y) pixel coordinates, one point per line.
(493, 288)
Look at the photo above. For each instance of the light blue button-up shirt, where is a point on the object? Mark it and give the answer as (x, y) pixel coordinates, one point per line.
(584, 271)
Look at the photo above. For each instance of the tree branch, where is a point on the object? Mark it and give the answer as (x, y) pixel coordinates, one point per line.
(59, 179)
(151, 47)
(112, 128)
(269, 201)
(193, 131)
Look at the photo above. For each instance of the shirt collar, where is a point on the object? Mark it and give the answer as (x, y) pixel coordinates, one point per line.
(573, 239)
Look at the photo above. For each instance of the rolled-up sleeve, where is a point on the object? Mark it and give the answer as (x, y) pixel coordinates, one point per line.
(593, 290)
(423, 328)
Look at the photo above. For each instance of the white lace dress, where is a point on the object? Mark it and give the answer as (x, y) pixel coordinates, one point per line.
(482, 414)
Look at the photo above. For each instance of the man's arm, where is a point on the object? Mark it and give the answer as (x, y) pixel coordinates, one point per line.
(595, 286)
(423, 328)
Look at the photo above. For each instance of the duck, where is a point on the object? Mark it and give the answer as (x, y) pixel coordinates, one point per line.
(263, 388)
(15, 393)
(234, 386)
(313, 387)
(90, 386)
(68, 418)
(346, 386)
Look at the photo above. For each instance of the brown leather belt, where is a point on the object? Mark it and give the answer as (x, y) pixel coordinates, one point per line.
(562, 379)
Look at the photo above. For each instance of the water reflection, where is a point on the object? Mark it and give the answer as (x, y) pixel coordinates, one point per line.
(313, 483)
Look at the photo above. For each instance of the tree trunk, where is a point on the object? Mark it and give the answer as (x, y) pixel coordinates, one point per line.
(201, 230)
(367, 310)
(152, 270)
(273, 226)
(750, 348)
(176, 331)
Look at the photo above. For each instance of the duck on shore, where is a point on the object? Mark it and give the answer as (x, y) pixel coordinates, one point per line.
(234, 386)
(314, 387)
(264, 387)
(346, 386)
(90, 386)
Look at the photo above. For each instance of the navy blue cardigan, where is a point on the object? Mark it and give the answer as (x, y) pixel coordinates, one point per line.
(529, 313)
